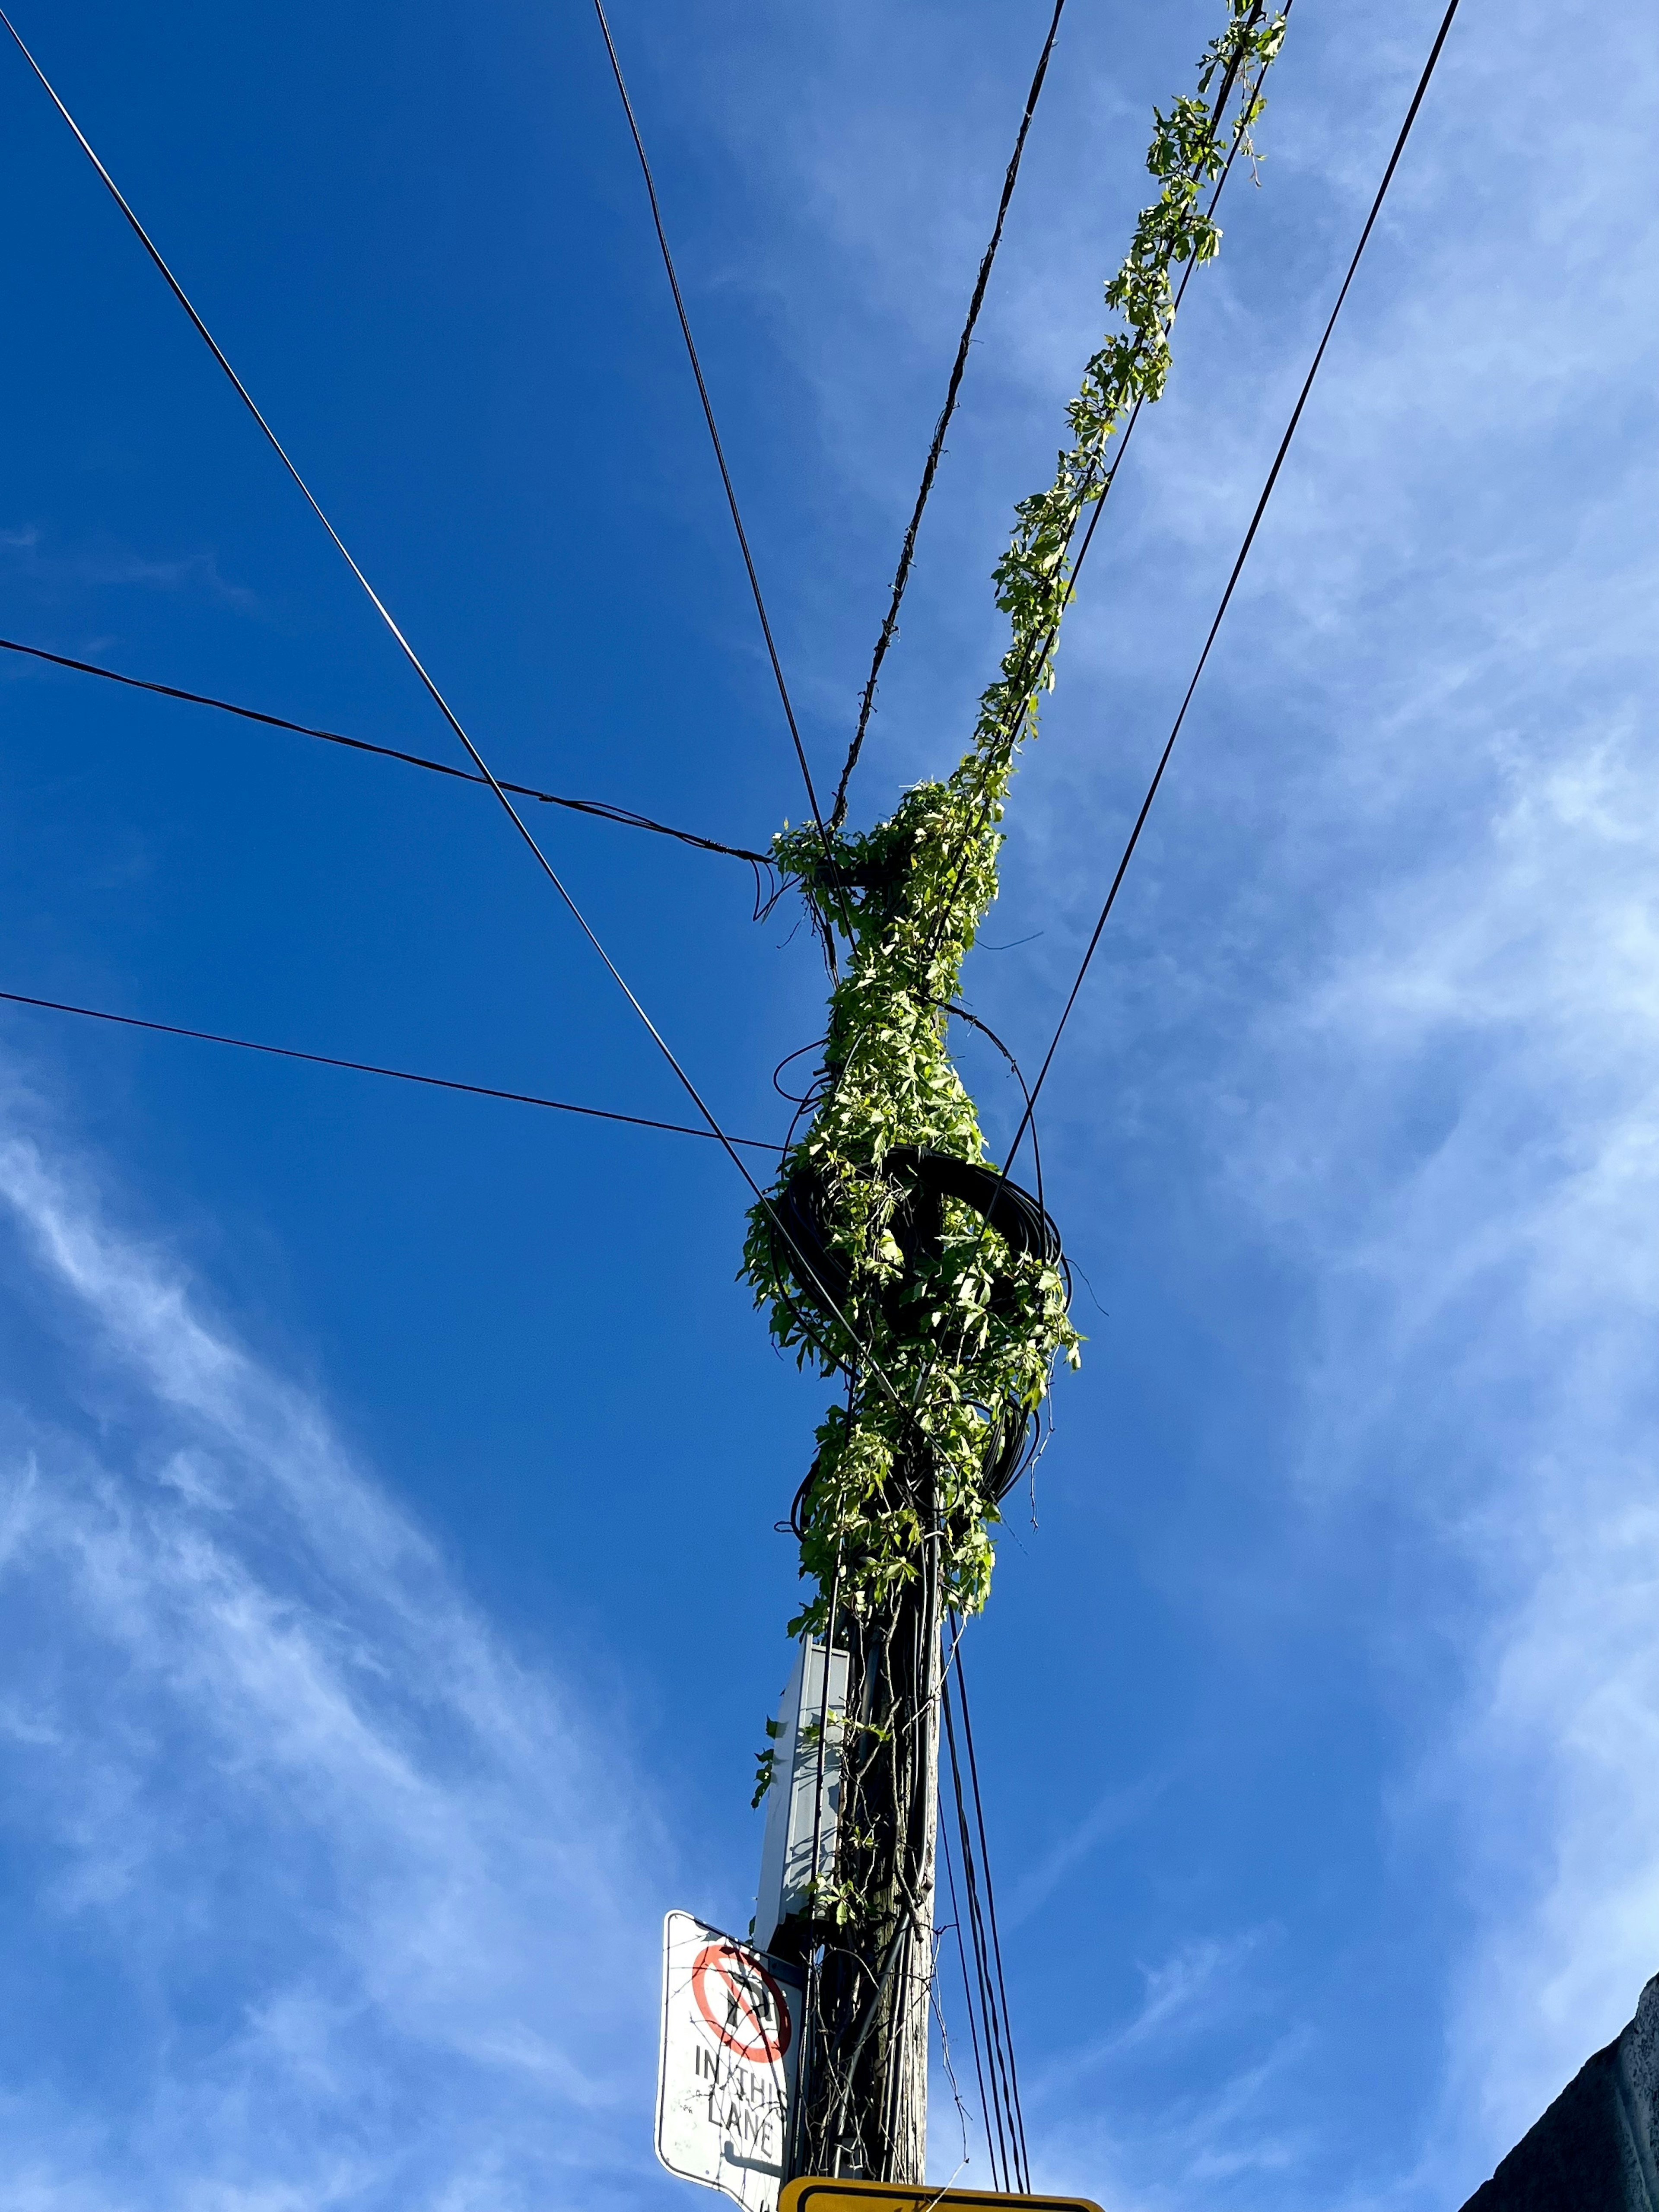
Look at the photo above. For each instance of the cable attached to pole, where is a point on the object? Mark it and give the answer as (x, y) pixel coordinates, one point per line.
(369, 1067)
(623, 815)
(1108, 475)
(1237, 570)
(720, 457)
(930, 467)
(991, 1910)
(1000, 2180)
(1003, 2142)
(437, 696)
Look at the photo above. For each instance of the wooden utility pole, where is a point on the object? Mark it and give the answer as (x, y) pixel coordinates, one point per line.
(935, 1288)
(865, 2113)
(894, 1255)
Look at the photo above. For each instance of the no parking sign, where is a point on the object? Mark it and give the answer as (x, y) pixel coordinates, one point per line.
(730, 2044)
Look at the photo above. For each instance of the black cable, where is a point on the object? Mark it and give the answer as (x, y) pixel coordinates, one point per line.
(968, 2002)
(991, 1905)
(719, 453)
(1109, 478)
(995, 2060)
(623, 815)
(930, 469)
(368, 1067)
(815, 1903)
(437, 696)
(274, 442)
(953, 1007)
(1238, 565)
(996, 2139)
(1027, 1118)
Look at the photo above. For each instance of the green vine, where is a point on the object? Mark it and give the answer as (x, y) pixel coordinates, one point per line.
(944, 1349)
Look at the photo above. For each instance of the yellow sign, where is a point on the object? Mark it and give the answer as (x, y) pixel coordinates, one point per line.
(809, 2195)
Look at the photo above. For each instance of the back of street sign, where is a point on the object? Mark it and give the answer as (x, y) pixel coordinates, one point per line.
(731, 2046)
(810, 2195)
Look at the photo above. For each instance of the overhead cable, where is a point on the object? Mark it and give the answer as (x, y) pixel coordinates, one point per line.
(602, 808)
(991, 1906)
(369, 1067)
(1237, 568)
(1109, 478)
(1003, 2142)
(719, 450)
(930, 467)
(1000, 2180)
(1108, 475)
(415, 662)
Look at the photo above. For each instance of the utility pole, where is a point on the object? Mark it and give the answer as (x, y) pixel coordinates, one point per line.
(865, 2113)
(895, 1257)
(864, 2108)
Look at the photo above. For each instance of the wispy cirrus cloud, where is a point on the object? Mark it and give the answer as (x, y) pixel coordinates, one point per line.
(1487, 1369)
(1110, 1816)
(33, 558)
(318, 1895)
(1196, 2125)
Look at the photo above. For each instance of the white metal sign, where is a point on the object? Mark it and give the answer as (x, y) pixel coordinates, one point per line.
(730, 2043)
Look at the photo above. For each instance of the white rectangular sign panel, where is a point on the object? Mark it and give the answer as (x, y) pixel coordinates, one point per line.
(803, 1805)
(731, 2041)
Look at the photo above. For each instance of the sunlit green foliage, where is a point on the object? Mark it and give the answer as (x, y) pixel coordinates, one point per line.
(939, 1356)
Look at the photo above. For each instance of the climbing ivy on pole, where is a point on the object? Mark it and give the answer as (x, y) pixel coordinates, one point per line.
(892, 1254)
(948, 1343)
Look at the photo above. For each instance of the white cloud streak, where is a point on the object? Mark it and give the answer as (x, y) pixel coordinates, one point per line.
(23, 550)
(358, 1908)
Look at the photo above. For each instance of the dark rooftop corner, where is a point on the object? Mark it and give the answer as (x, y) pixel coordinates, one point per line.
(1593, 2151)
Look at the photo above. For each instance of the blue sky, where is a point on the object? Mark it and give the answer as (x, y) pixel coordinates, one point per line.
(391, 1597)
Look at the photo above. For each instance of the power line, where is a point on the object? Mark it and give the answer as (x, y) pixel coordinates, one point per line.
(720, 451)
(602, 808)
(1238, 568)
(985, 2115)
(274, 441)
(369, 1067)
(930, 468)
(581, 919)
(437, 696)
(999, 2050)
(1108, 476)
(444, 708)
(1018, 2114)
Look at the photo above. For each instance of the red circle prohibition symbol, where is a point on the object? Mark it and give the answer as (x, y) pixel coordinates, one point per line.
(744, 1994)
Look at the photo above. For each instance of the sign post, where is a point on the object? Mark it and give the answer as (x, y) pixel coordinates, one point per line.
(730, 2047)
